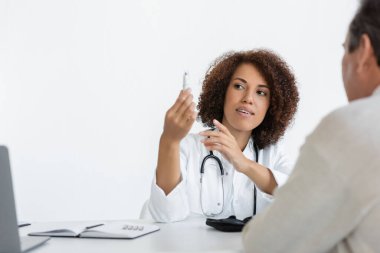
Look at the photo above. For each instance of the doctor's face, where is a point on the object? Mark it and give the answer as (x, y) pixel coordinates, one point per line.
(247, 99)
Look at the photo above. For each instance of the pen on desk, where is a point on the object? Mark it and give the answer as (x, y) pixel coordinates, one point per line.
(94, 226)
(23, 225)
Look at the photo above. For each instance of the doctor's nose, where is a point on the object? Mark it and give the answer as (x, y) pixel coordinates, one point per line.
(247, 99)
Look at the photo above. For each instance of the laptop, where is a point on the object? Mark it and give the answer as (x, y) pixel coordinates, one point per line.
(10, 242)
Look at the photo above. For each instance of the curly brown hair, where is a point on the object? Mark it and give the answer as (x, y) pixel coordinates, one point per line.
(284, 93)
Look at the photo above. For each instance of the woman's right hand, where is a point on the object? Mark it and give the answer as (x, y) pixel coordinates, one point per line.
(180, 117)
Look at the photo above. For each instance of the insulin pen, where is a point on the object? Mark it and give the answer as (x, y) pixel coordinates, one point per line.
(184, 82)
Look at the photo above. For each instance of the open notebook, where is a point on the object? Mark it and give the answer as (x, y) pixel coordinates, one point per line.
(117, 230)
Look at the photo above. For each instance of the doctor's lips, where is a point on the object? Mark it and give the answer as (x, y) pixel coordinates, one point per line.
(245, 110)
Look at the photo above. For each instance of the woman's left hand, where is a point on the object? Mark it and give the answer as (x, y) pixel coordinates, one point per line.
(225, 143)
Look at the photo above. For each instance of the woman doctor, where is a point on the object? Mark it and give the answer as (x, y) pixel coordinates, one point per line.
(250, 98)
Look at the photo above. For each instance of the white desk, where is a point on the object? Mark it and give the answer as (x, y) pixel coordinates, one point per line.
(192, 235)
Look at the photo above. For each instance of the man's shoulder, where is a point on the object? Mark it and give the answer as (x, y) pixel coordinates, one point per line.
(358, 117)
(355, 112)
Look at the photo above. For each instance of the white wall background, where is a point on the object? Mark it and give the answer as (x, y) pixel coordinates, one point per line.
(85, 84)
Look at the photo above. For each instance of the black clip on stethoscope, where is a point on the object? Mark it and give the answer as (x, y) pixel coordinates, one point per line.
(212, 156)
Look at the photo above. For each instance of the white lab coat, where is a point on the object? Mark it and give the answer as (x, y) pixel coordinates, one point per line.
(185, 198)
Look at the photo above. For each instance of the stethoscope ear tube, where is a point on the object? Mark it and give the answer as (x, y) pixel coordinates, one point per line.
(254, 185)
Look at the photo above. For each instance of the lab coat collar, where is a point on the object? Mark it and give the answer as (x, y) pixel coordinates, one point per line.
(249, 150)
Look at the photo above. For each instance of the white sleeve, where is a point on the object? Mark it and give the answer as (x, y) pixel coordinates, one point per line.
(175, 205)
(281, 167)
(304, 209)
(171, 207)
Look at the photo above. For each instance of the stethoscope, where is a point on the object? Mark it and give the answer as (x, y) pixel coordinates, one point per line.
(211, 156)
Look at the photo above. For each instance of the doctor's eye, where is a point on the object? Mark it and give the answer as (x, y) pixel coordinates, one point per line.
(238, 86)
(262, 93)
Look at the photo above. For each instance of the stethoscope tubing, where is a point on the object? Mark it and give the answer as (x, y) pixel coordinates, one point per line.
(212, 156)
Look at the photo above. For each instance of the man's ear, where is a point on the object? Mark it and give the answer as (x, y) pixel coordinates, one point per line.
(365, 55)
